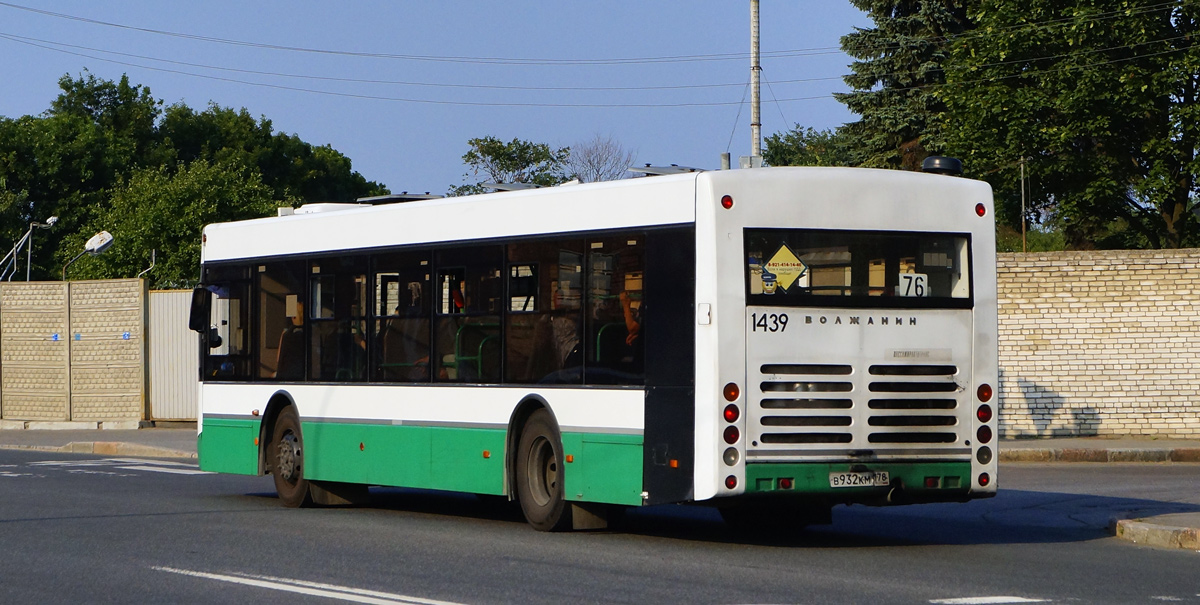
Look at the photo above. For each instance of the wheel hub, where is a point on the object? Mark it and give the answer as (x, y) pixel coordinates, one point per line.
(288, 458)
(542, 471)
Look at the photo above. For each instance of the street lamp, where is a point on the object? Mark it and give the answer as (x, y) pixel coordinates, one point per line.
(29, 242)
(10, 259)
(97, 245)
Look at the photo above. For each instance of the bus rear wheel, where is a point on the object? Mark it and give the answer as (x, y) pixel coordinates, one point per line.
(540, 474)
(286, 452)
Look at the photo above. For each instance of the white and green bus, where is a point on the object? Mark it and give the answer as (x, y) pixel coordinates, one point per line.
(772, 342)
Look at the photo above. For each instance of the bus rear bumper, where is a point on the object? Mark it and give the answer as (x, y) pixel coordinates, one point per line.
(863, 483)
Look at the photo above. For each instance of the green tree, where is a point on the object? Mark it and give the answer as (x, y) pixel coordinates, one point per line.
(899, 64)
(164, 210)
(62, 162)
(97, 134)
(1100, 96)
(294, 169)
(515, 162)
(808, 147)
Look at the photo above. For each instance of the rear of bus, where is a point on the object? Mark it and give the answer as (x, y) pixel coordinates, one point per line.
(847, 339)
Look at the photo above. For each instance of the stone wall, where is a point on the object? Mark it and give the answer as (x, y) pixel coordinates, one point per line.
(1100, 343)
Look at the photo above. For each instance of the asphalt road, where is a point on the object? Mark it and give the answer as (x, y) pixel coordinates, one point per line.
(88, 529)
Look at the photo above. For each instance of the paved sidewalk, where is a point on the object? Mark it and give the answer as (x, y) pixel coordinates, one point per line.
(1167, 531)
(145, 443)
(1181, 530)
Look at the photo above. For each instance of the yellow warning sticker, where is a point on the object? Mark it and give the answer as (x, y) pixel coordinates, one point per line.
(787, 269)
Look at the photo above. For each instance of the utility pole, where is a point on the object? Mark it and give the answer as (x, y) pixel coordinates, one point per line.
(755, 72)
(1023, 204)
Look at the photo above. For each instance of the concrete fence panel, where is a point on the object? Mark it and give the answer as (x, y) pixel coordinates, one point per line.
(73, 351)
(108, 350)
(34, 382)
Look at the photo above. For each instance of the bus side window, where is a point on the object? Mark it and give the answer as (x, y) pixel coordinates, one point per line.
(228, 320)
(543, 324)
(615, 280)
(403, 299)
(338, 330)
(280, 307)
(467, 325)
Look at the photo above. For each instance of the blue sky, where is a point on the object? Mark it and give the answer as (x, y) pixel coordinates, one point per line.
(400, 86)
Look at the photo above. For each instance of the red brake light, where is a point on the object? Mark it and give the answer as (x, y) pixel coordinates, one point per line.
(984, 434)
(726, 202)
(732, 413)
(984, 479)
(984, 413)
(984, 392)
(980, 209)
(730, 482)
(732, 392)
(732, 434)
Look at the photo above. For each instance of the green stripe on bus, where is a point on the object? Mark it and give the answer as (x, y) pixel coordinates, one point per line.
(228, 445)
(813, 477)
(604, 467)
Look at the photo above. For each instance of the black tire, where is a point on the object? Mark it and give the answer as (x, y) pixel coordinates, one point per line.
(286, 453)
(540, 474)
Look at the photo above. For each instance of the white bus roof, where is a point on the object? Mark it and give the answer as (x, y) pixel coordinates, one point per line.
(609, 205)
(630, 203)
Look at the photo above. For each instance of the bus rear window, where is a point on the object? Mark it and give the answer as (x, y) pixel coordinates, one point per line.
(886, 269)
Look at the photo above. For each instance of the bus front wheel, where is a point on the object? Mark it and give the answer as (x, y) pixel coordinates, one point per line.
(287, 460)
(540, 474)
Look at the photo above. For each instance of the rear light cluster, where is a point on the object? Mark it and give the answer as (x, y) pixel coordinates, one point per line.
(732, 434)
(984, 434)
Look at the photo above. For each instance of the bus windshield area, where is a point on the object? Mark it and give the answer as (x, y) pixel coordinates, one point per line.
(844, 268)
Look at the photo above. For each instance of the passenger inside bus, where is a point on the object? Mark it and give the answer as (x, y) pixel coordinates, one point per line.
(289, 361)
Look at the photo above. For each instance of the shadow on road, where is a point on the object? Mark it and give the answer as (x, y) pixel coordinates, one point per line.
(1013, 517)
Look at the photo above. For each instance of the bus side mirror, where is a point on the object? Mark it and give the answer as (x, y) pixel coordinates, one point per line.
(201, 301)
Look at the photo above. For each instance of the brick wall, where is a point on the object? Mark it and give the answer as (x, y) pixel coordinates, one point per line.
(1100, 343)
(106, 371)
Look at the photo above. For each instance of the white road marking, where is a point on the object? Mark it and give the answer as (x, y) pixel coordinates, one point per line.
(159, 469)
(987, 601)
(316, 589)
(144, 461)
(129, 464)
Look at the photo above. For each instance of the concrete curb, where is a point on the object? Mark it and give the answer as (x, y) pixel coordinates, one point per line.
(107, 448)
(1099, 455)
(1152, 534)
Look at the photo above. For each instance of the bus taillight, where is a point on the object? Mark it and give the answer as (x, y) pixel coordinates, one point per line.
(984, 413)
(732, 434)
(980, 209)
(984, 392)
(732, 392)
(731, 456)
(984, 434)
(732, 413)
(730, 482)
(726, 202)
(984, 479)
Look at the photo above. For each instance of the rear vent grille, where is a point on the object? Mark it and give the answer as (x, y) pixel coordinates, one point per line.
(808, 407)
(926, 418)
(810, 417)
(898, 370)
(807, 404)
(806, 369)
